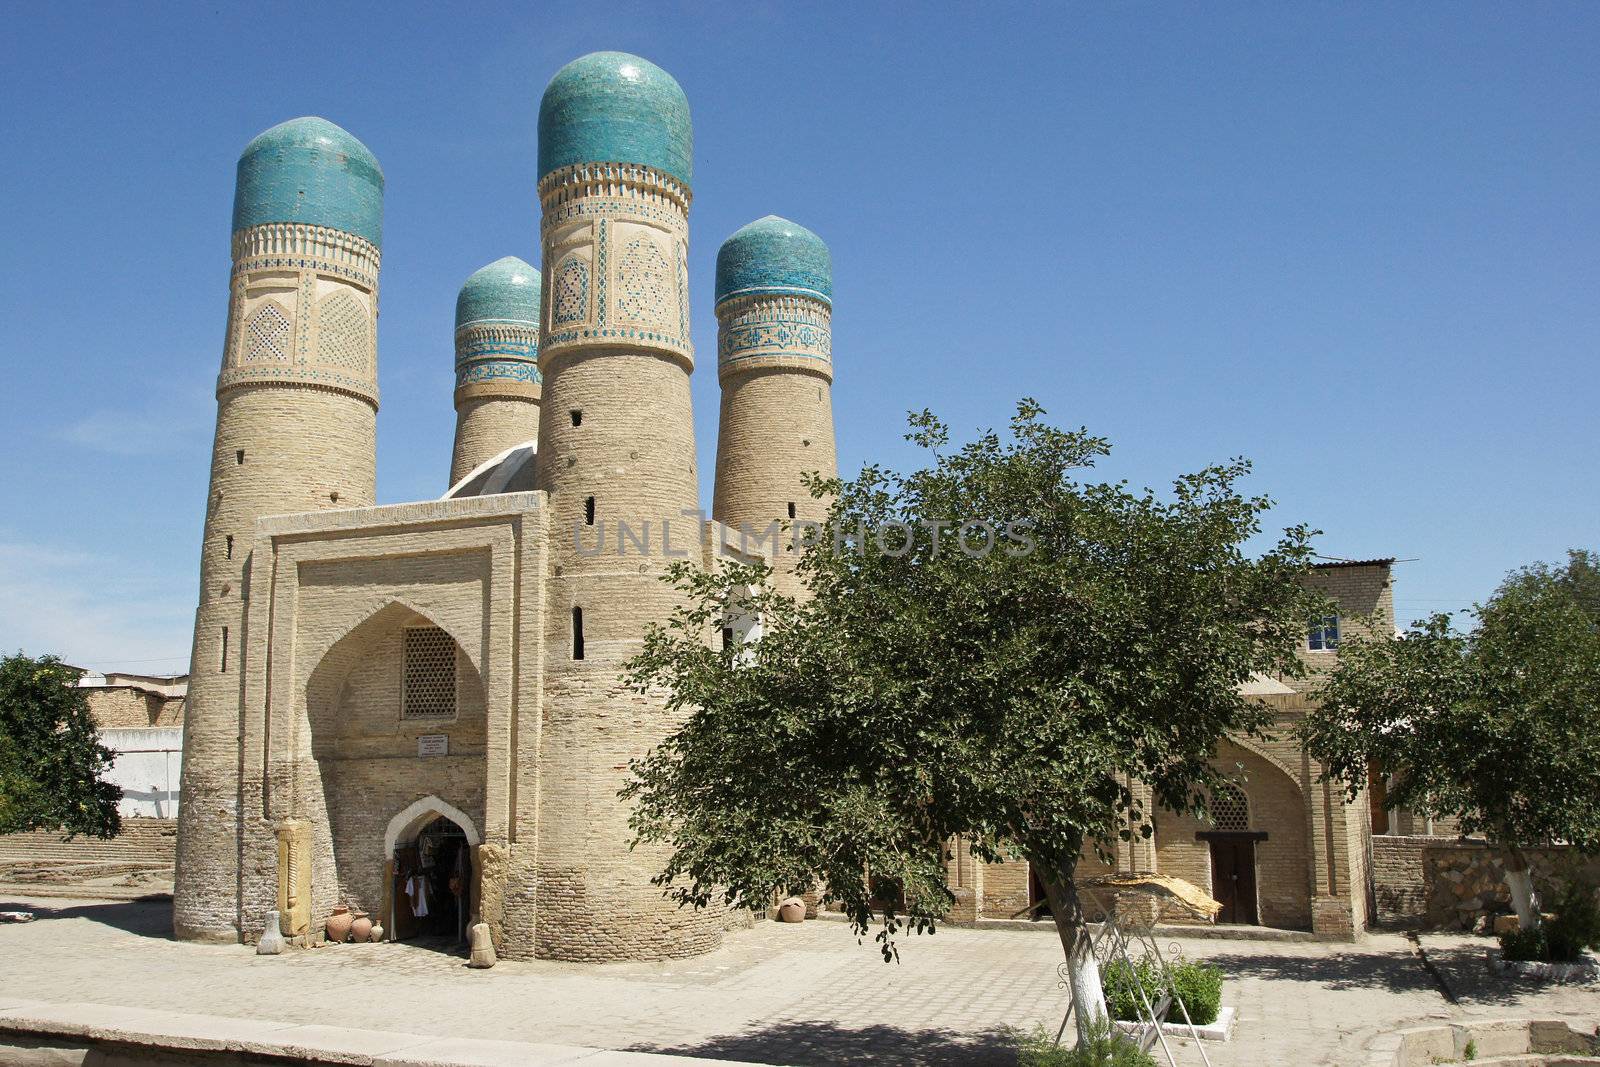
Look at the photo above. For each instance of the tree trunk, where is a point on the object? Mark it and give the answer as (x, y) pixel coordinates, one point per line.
(1083, 970)
(1519, 879)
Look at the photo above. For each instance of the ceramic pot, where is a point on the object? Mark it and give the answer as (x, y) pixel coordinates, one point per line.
(377, 932)
(339, 924)
(792, 910)
(361, 929)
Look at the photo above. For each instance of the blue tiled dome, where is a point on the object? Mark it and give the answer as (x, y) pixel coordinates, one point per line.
(309, 170)
(507, 290)
(611, 107)
(774, 255)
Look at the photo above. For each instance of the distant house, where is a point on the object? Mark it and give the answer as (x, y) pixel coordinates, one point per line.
(140, 717)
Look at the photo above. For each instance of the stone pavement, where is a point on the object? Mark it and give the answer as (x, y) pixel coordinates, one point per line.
(781, 994)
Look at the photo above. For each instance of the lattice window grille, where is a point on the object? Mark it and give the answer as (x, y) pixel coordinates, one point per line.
(342, 333)
(429, 690)
(1230, 808)
(267, 335)
(647, 283)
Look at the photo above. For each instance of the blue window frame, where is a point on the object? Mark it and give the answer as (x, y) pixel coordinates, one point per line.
(1323, 635)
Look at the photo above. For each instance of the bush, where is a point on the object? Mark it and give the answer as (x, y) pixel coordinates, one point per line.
(1104, 1049)
(1198, 986)
(1563, 939)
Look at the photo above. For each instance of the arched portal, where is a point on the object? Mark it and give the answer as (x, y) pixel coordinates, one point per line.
(395, 721)
(432, 856)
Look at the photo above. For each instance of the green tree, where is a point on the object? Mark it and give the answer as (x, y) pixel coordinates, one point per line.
(1498, 726)
(1005, 687)
(51, 759)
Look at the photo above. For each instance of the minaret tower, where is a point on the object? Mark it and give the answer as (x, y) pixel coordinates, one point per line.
(497, 363)
(616, 455)
(775, 365)
(297, 405)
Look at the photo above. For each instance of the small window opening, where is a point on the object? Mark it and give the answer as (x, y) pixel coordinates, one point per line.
(727, 638)
(588, 511)
(577, 633)
(334, 496)
(791, 509)
(223, 665)
(577, 417)
(238, 457)
(1323, 634)
(230, 546)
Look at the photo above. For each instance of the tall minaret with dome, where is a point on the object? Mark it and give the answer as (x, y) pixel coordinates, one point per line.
(616, 453)
(297, 403)
(774, 303)
(497, 364)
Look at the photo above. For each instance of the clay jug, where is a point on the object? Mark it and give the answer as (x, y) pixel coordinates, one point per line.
(377, 932)
(792, 910)
(361, 929)
(339, 924)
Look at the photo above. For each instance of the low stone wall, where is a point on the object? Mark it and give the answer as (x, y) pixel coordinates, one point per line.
(1451, 884)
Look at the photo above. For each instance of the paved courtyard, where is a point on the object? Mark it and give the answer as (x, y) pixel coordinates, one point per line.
(806, 994)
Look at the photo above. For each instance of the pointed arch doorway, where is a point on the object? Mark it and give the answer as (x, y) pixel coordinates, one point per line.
(432, 856)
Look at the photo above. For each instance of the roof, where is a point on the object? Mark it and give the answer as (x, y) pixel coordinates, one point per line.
(511, 471)
(507, 290)
(612, 107)
(1328, 564)
(774, 255)
(311, 171)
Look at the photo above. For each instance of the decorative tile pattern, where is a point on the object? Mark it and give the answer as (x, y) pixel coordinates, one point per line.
(267, 335)
(601, 274)
(342, 339)
(756, 327)
(572, 291)
(498, 351)
(430, 674)
(646, 282)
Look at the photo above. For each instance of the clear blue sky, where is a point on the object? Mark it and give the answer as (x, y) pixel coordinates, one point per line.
(1355, 243)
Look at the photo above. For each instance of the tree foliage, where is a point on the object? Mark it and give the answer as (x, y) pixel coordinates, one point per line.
(1498, 726)
(927, 692)
(51, 759)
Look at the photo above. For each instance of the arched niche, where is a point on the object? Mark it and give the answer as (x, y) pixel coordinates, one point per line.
(363, 755)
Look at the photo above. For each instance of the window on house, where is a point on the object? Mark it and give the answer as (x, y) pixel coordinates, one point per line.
(588, 511)
(791, 509)
(577, 633)
(577, 417)
(230, 546)
(428, 689)
(222, 666)
(1323, 636)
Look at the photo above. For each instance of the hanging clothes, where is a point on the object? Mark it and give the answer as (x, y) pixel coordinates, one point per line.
(417, 893)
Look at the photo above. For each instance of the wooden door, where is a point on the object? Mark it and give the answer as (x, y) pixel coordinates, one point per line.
(1233, 880)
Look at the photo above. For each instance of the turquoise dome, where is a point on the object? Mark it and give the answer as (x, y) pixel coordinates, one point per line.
(610, 107)
(507, 290)
(774, 255)
(309, 170)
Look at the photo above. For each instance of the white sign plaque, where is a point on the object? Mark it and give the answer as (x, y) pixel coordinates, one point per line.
(433, 745)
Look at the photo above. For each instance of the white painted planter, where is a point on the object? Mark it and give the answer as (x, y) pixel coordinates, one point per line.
(1220, 1030)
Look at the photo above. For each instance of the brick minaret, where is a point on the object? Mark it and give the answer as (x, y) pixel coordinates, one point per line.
(616, 449)
(497, 363)
(297, 405)
(775, 365)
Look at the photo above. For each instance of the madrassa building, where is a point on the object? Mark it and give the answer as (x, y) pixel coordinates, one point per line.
(415, 710)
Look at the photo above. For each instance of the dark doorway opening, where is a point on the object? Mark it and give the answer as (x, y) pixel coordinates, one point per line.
(1038, 899)
(1233, 877)
(433, 886)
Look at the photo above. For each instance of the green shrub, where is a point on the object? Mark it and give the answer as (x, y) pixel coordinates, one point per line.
(1104, 1049)
(1563, 939)
(1198, 986)
(1576, 926)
